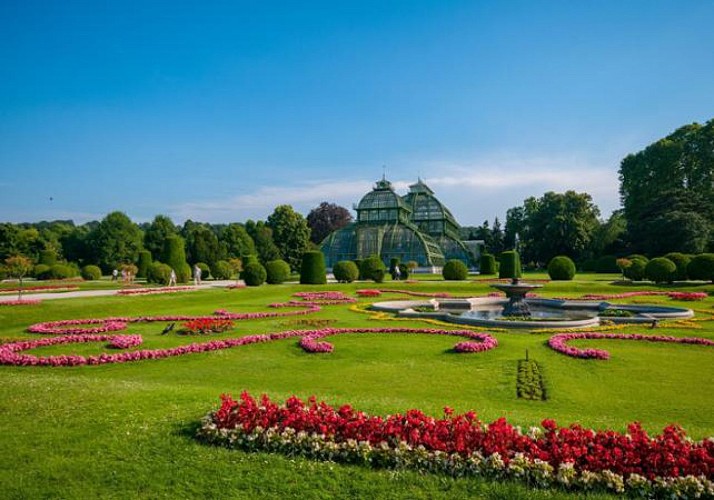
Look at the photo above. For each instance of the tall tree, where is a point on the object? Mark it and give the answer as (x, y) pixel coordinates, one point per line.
(496, 243)
(326, 218)
(202, 246)
(117, 240)
(236, 241)
(291, 234)
(155, 235)
(674, 174)
(263, 237)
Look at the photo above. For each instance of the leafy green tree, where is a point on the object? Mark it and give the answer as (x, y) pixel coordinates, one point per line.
(291, 234)
(496, 244)
(202, 245)
(263, 238)
(18, 267)
(156, 233)
(236, 241)
(674, 174)
(116, 240)
(609, 237)
(326, 218)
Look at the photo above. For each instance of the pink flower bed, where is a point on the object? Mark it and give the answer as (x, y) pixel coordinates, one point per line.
(155, 291)
(68, 326)
(45, 288)
(23, 302)
(368, 293)
(125, 341)
(310, 342)
(560, 341)
(670, 454)
(689, 296)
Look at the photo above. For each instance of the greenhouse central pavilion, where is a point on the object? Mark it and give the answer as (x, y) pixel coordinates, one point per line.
(416, 227)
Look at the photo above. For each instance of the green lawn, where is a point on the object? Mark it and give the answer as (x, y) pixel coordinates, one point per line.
(125, 431)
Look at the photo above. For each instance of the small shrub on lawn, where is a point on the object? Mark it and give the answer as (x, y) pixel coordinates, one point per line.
(91, 272)
(660, 270)
(702, 267)
(312, 270)
(455, 270)
(158, 273)
(277, 271)
(345, 271)
(681, 261)
(561, 268)
(487, 264)
(222, 270)
(510, 265)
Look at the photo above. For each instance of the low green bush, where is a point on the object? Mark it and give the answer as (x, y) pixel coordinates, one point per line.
(91, 272)
(61, 272)
(158, 273)
(561, 268)
(660, 270)
(487, 264)
(405, 271)
(701, 267)
(455, 270)
(277, 271)
(254, 274)
(222, 270)
(636, 271)
(41, 272)
(373, 269)
(607, 264)
(681, 261)
(345, 271)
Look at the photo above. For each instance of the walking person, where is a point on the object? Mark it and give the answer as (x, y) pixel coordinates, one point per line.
(172, 278)
(196, 275)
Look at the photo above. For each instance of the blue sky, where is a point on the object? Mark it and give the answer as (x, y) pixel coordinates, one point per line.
(219, 111)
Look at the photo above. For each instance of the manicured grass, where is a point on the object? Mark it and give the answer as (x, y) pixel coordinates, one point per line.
(125, 431)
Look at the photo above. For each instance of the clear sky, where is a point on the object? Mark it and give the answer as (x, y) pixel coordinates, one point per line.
(219, 111)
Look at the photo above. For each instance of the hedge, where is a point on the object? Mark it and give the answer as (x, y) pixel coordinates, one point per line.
(312, 270)
(510, 265)
(487, 264)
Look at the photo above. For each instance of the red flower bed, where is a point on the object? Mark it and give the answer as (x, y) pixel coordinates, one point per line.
(368, 293)
(670, 454)
(688, 296)
(559, 342)
(201, 326)
(23, 302)
(155, 291)
(43, 288)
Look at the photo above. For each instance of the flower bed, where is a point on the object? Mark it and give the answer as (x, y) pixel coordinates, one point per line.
(125, 341)
(560, 341)
(155, 291)
(687, 296)
(23, 302)
(368, 293)
(572, 457)
(68, 326)
(202, 326)
(44, 288)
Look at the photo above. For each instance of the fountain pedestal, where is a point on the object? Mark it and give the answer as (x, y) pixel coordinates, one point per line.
(516, 293)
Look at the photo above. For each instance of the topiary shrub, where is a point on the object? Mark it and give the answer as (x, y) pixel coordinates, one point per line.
(205, 270)
(254, 274)
(701, 267)
(61, 272)
(510, 265)
(345, 271)
(393, 266)
(312, 269)
(91, 272)
(636, 271)
(487, 264)
(222, 270)
(638, 256)
(41, 272)
(404, 270)
(607, 264)
(358, 263)
(158, 273)
(681, 261)
(660, 270)
(174, 256)
(48, 257)
(455, 270)
(373, 269)
(143, 263)
(278, 271)
(561, 268)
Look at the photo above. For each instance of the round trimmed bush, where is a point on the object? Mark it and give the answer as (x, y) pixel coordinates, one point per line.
(681, 261)
(312, 269)
(561, 268)
(143, 263)
(358, 263)
(510, 265)
(607, 264)
(254, 274)
(158, 273)
(221, 270)
(278, 271)
(702, 267)
(660, 270)
(345, 271)
(373, 269)
(636, 271)
(487, 264)
(61, 272)
(91, 272)
(638, 256)
(205, 270)
(41, 272)
(455, 270)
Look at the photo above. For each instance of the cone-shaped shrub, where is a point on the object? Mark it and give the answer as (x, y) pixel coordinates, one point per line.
(510, 265)
(91, 273)
(702, 267)
(455, 270)
(254, 274)
(345, 271)
(681, 261)
(143, 264)
(561, 268)
(660, 270)
(312, 270)
(175, 257)
(487, 264)
(278, 271)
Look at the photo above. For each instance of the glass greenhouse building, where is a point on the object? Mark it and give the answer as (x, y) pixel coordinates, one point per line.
(416, 227)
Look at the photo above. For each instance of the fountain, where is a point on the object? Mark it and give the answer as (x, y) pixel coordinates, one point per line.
(516, 292)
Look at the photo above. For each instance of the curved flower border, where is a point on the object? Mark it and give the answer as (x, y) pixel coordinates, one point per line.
(23, 302)
(156, 291)
(560, 341)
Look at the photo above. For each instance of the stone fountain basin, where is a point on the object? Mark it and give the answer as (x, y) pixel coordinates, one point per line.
(584, 314)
